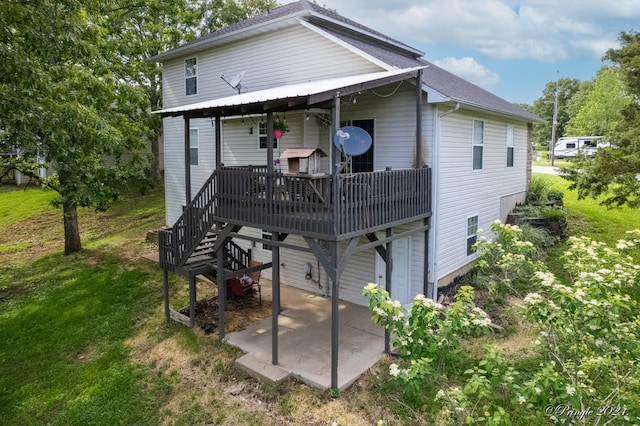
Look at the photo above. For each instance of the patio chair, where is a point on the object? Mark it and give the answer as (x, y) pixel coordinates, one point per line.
(244, 289)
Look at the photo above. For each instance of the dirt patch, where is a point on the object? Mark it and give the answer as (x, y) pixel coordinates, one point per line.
(238, 314)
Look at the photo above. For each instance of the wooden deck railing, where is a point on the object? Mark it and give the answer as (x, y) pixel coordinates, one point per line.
(317, 206)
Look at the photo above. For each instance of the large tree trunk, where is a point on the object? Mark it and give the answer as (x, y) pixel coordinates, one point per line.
(71, 230)
(155, 160)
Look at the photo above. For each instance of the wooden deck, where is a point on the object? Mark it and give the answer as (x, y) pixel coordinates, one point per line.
(317, 206)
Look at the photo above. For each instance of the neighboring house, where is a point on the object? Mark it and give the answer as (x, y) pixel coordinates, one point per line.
(447, 158)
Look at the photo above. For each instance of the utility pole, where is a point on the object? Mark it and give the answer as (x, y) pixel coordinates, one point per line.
(553, 126)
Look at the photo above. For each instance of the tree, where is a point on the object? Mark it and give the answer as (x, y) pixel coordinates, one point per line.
(543, 108)
(143, 30)
(598, 110)
(61, 103)
(614, 172)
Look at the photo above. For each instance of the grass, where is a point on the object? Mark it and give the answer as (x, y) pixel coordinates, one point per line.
(587, 217)
(84, 341)
(22, 204)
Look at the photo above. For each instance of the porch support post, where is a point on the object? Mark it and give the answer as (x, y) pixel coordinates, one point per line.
(222, 286)
(187, 160)
(275, 298)
(166, 295)
(335, 311)
(218, 142)
(192, 300)
(335, 125)
(388, 270)
(425, 260)
(419, 119)
(269, 188)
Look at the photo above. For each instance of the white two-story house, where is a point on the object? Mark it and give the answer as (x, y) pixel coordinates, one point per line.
(443, 158)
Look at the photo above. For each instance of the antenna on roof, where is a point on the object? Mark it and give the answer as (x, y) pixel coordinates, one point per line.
(235, 81)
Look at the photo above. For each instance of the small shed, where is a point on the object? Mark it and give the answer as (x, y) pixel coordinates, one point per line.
(303, 160)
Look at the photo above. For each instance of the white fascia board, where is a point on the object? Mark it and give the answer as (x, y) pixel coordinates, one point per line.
(433, 96)
(347, 46)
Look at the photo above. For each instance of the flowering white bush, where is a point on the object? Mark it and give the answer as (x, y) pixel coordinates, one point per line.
(588, 328)
(427, 335)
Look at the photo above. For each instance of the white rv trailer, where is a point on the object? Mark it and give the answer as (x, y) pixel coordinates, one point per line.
(570, 147)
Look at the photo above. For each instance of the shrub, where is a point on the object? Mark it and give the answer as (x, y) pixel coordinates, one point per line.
(552, 213)
(539, 237)
(427, 336)
(507, 259)
(555, 195)
(538, 189)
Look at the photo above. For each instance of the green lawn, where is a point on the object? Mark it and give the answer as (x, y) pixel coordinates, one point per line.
(65, 319)
(587, 217)
(84, 341)
(20, 204)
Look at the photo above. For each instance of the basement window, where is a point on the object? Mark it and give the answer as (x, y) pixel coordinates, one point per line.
(472, 234)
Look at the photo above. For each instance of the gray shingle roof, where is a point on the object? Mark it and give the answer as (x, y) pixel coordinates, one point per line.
(371, 42)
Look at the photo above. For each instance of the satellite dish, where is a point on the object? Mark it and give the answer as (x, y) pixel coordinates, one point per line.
(352, 140)
(235, 81)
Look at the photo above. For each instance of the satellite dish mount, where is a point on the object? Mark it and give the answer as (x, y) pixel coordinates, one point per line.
(234, 82)
(351, 141)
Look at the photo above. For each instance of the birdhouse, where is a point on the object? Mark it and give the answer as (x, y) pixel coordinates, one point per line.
(303, 160)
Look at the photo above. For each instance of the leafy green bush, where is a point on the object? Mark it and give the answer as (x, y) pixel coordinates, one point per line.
(505, 259)
(538, 190)
(427, 336)
(555, 195)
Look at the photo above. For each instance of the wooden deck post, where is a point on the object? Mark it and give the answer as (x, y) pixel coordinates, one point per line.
(275, 297)
(335, 313)
(419, 119)
(187, 160)
(222, 286)
(167, 313)
(192, 300)
(388, 271)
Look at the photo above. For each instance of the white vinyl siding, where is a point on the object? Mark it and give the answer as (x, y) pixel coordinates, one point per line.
(302, 55)
(191, 76)
(478, 144)
(462, 194)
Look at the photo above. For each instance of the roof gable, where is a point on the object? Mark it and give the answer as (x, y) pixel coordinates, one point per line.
(388, 53)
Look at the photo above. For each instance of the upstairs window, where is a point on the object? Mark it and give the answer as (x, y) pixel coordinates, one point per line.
(191, 76)
(478, 143)
(194, 146)
(472, 234)
(510, 146)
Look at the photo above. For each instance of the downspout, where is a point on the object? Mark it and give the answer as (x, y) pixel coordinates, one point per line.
(436, 198)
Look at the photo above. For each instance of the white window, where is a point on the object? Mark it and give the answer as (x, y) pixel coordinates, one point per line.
(478, 143)
(510, 146)
(472, 234)
(194, 146)
(262, 135)
(266, 235)
(191, 76)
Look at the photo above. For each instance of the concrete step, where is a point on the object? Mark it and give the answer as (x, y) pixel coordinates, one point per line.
(261, 368)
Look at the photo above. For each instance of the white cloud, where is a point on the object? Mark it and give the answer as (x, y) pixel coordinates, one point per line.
(548, 31)
(470, 70)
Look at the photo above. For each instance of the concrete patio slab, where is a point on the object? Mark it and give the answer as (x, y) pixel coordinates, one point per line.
(304, 330)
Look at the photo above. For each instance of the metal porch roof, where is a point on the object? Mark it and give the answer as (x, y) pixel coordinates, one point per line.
(288, 97)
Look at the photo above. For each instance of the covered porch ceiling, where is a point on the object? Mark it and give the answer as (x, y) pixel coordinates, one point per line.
(313, 94)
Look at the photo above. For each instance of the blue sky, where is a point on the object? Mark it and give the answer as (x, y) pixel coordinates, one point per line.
(512, 48)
